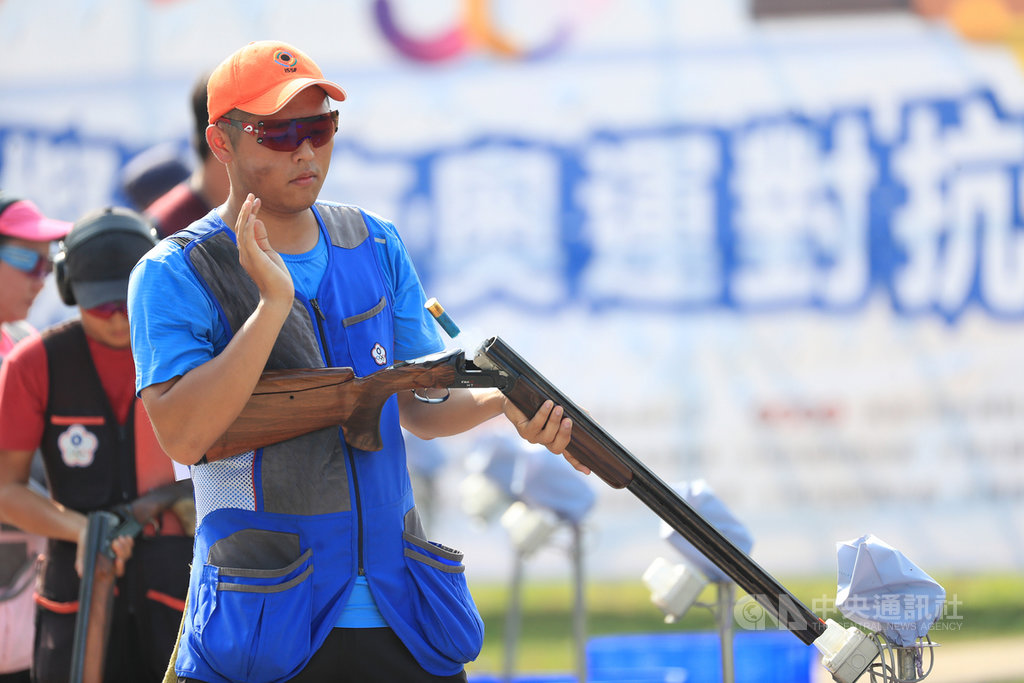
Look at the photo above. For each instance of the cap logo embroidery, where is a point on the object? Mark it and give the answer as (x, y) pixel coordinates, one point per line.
(77, 446)
(286, 59)
(380, 356)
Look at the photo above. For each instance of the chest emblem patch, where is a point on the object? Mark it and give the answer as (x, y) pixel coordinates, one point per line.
(380, 356)
(77, 446)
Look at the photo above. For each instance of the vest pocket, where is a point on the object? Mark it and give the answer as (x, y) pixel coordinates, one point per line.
(442, 605)
(370, 338)
(254, 624)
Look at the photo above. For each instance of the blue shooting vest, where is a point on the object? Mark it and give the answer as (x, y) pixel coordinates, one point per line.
(284, 529)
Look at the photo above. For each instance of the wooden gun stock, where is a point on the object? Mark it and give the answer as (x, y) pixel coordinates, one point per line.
(595, 448)
(95, 601)
(290, 403)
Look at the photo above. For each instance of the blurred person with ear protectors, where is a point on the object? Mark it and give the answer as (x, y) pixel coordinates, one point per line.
(70, 392)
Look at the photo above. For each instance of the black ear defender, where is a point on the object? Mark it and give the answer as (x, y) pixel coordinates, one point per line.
(60, 274)
(108, 220)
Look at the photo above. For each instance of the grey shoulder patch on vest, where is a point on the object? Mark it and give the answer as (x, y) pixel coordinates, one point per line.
(344, 224)
(216, 261)
(296, 345)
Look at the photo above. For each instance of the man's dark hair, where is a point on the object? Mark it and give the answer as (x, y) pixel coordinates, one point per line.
(200, 117)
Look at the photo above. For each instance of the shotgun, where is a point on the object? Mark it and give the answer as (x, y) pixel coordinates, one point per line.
(289, 403)
(95, 601)
(96, 589)
(609, 460)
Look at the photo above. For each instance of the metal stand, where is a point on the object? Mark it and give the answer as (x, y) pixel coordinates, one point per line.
(726, 600)
(513, 618)
(579, 614)
(906, 663)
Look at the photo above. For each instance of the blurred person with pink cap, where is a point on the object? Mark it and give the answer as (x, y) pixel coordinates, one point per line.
(25, 239)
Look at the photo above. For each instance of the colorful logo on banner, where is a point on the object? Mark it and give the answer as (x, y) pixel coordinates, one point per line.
(476, 30)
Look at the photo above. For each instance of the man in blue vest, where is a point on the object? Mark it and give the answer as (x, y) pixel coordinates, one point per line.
(310, 562)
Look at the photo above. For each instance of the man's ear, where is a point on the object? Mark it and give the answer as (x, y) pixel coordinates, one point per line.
(219, 143)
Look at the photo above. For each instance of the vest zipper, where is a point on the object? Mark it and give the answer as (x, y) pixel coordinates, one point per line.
(320, 319)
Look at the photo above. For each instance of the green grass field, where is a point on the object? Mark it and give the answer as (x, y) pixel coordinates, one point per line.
(977, 607)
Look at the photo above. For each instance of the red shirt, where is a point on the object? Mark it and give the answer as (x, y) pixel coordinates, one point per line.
(24, 391)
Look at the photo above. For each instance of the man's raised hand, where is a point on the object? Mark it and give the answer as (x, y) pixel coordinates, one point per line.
(264, 265)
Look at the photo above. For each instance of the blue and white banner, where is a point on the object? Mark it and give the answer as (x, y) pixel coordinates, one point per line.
(783, 257)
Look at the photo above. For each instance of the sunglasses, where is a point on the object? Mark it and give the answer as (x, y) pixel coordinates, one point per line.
(26, 260)
(286, 135)
(108, 309)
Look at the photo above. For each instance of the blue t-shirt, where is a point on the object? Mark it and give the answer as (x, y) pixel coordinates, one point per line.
(175, 327)
(308, 269)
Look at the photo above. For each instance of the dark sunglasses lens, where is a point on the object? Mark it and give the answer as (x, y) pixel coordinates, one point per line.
(286, 136)
(107, 310)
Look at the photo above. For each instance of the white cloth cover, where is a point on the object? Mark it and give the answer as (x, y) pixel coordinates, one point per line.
(883, 591)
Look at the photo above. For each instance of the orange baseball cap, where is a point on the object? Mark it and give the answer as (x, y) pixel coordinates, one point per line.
(263, 77)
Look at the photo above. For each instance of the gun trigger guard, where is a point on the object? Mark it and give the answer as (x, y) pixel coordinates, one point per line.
(431, 400)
